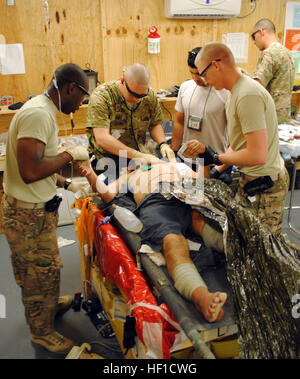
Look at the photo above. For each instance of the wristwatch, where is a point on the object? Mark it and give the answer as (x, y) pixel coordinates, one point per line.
(210, 157)
(67, 183)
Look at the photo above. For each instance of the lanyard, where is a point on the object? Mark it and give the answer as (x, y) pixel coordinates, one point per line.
(204, 108)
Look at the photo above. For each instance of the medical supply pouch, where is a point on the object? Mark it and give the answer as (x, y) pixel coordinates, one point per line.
(53, 204)
(258, 186)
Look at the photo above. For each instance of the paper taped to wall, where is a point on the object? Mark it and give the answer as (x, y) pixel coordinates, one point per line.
(12, 59)
(238, 44)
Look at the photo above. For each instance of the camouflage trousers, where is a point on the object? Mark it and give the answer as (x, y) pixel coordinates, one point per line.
(268, 206)
(283, 115)
(31, 234)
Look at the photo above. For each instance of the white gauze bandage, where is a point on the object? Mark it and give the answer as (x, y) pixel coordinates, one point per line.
(100, 185)
(182, 168)
(187, 279)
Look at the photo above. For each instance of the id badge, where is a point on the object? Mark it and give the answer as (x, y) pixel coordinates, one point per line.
(195, 123)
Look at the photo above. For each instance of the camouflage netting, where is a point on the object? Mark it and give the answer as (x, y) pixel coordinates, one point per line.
(263, 272)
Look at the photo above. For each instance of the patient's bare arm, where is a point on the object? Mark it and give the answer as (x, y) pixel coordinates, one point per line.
(107, 192)
(85, 169)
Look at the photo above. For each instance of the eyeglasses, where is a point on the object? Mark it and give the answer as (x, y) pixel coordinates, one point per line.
(82, 89)
(253, 34)
(194, 73)
(208, 66)
(134, 94)
(78, 86)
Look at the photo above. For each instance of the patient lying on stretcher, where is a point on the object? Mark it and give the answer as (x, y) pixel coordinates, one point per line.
(164, 224)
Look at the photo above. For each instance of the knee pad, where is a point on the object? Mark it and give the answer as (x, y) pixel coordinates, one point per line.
(186, 279)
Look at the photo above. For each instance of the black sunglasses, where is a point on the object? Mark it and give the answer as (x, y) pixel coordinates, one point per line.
(82, 89)
(208, 66)
(78, 86)
(134, 94)
(253, 34)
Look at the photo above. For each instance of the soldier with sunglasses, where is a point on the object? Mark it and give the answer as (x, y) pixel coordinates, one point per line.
(30, 203)
(253, 137)
(120, 113)
(275, 69)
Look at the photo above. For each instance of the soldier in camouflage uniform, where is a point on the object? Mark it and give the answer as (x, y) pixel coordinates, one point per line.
(30, 204)
(275, 69)
(119, 115)
(34, 260)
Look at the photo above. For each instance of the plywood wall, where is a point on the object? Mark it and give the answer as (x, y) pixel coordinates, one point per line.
(74, 36)
(125, 36)
(110, 34)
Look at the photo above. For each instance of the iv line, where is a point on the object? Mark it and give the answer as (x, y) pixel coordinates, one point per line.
(47, 17)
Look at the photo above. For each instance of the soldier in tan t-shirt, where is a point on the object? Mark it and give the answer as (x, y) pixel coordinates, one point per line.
(253, 137)
(30, 204)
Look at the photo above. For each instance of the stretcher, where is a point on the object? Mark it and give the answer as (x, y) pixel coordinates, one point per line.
(149, 317)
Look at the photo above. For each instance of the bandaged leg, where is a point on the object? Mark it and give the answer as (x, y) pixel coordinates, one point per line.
(189, 284)
(211, 237)
(186, 279)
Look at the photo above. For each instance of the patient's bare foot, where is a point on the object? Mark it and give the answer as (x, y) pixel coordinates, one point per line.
(209, 304)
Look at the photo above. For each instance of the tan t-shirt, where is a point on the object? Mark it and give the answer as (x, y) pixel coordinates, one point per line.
(36, 119)
(251, 108)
